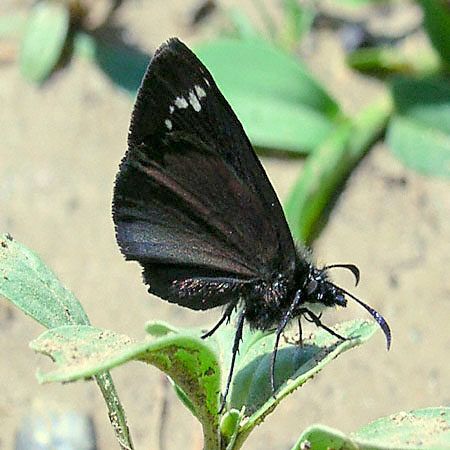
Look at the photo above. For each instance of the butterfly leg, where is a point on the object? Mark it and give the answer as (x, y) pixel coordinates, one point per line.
(300, 331)
(235, 351)
(295, 341)
(309, 315)
(281, 326)
(226, 316)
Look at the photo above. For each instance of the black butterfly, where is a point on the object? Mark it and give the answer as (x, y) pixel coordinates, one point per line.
(193, 205)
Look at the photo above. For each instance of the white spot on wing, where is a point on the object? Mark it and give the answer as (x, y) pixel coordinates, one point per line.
(199, 91)
(193, 100)
(207, 82)
(180, 102)
(171, 109)
(168, 124)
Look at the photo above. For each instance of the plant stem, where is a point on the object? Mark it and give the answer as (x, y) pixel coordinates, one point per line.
(116, 412)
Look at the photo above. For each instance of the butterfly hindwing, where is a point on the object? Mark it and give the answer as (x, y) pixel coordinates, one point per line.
(192, 201)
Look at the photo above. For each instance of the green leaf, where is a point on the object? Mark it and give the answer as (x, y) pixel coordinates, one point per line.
(437, 24)
(81, 352)
(419, 133)
(279, 103)
(427, 429)
(43, 43)
(295, 366)
(327, 168)
(28, 283)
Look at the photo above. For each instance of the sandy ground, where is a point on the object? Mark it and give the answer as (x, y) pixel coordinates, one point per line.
(59, 153)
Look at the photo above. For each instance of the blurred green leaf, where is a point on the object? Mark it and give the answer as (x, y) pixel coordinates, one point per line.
(121, 62)
(298, 20)
(329, 165)
(427, 429)
(382, 61)
(427, 101)
(419, 133)
(256, 65)
(437, 24)
(279, 103)
(44, 39)
(81, 352)
(28, 283)
(419, 147)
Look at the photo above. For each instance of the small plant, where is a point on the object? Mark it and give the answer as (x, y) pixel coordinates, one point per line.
(196, 367)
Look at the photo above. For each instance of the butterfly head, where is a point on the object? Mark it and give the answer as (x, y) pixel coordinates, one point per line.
(318, 289)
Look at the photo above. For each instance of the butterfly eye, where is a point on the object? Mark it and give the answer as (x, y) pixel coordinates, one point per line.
(311, 287)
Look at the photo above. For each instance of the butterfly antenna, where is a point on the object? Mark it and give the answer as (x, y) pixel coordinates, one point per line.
(375, 314)
(351, 267)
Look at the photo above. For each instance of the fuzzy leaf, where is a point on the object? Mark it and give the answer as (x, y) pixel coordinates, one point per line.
(81, 352)
(31, 286)
(28, 283)
(427, 429)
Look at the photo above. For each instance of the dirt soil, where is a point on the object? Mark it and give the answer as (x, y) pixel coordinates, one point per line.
(59, 153)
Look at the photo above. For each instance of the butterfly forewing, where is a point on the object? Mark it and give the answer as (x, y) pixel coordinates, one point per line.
(192, 203)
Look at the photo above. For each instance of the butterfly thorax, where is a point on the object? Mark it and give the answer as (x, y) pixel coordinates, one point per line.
(269, 301)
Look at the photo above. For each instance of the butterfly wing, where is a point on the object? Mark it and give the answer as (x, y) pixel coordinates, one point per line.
(192, 203)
